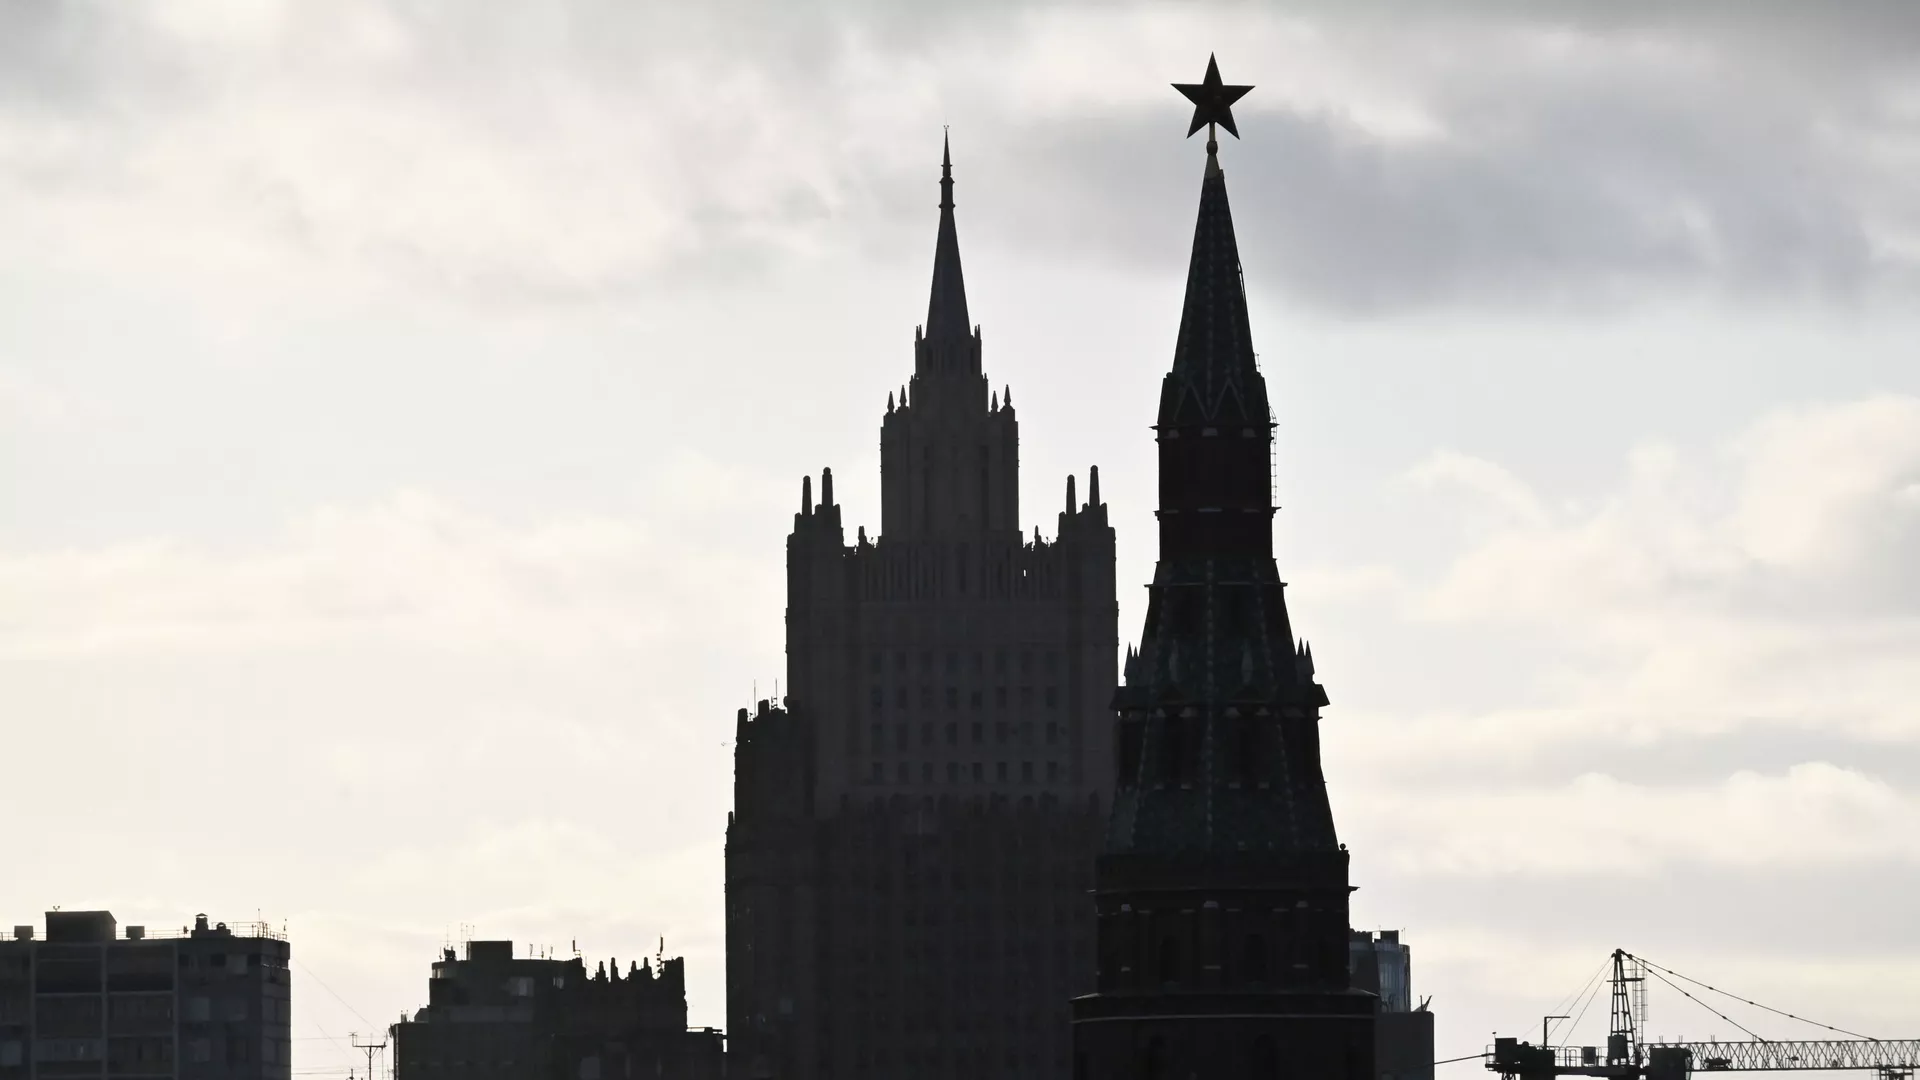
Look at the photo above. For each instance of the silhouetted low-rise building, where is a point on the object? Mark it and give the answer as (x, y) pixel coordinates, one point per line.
(210, 1001)
(504, 1017)
(1403, 1028)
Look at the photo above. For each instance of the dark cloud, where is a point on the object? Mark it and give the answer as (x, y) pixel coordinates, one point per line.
(1542, 192)
(1589, 156)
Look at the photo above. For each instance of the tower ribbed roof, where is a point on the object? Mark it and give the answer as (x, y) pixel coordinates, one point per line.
(947, 306)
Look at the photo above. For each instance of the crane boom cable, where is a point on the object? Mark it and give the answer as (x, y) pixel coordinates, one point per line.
(1755, 1004)
(1593, 982)
(1683, 993)
(1592, 995)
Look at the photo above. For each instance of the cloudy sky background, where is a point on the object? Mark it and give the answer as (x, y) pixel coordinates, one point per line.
(402, 406)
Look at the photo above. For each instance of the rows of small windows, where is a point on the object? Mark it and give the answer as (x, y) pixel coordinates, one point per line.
(976, 699)
(964, 772)
(1004, 733)
(1050, 662)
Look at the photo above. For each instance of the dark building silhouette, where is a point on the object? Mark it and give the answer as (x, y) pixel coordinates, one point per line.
(1403, 1030)
(496, 1015)
(911, 844)
(203, 1003)
(1221, 888)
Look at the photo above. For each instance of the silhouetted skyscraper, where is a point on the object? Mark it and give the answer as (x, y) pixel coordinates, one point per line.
(912, 837)
(1221, 888)
(204, 1003)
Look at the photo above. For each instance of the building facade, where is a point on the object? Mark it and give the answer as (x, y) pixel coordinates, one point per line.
(210, 1002)
(1221, 889)
(496, 1015)
(913, 828)
(1382, 964)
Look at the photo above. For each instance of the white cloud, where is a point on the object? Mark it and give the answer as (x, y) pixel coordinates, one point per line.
(1771, 582)
(1812, 816)
(413, 571)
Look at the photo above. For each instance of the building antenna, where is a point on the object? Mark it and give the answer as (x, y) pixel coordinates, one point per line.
(371, 1048)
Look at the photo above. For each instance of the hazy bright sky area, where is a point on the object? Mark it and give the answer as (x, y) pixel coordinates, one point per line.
(403, 406)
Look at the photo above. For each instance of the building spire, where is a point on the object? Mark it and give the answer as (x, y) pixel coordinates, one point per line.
(1214, 377)
(947, 307)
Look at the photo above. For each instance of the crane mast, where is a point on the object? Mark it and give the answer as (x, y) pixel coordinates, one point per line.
(1630, 1055)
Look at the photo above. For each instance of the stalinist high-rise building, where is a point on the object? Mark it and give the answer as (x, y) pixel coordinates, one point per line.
(911, 848)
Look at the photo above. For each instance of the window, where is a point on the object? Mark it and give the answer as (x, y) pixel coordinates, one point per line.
(1131, 740)
(199, 1051)
(900, 697)
(1053, 732)
(900, 736)
(1053, 697)
(879, 698)
(904, 772)
(1000, 731)
(979, 663)
(877, 664)
(953, 697)
(900, 662)
(1053, 771)
(877, 775)
(198, 1011)
(973, 701)
(1263, 1061)
(926, 734)
(1169, 959)
(1000, 771)
(926, 697)
(979, 772)
(926, 772)
(1053, 662)
(1026, 772)
(953, 733)
(978, 732)
(926, 663)
(1153, 1060)
(236, 1009)
(1026, 663)
(877, 738)
(1000, 697)
(953, 772)
(1026, 697)
(1254, 961)
(1000, 663)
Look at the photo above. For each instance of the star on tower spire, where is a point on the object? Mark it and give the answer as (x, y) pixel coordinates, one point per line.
(1212, 104)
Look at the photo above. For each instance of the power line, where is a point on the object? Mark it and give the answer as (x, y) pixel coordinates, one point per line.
(336, 997)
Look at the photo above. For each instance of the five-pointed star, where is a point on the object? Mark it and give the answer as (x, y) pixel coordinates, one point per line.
(1212, 101)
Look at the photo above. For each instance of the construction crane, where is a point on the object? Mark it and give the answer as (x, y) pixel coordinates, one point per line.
(1630, 1055)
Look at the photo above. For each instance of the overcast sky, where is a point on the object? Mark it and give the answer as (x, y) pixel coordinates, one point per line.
(403, 406)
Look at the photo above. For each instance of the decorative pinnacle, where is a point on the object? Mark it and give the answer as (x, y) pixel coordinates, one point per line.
(1212, 104)
(946, 172)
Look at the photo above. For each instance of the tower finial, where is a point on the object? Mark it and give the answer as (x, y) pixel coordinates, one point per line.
(1212, 104)
(946, 170)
